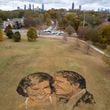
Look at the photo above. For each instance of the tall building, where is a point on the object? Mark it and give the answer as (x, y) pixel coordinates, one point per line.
(18, 8)
(24, 7)
(42, 6)
(79, 7)
(29, 6)
(33, 7)
(73, 6)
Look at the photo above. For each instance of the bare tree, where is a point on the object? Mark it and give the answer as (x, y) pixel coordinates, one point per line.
(65, 39)
(88, 47)
(77, 43)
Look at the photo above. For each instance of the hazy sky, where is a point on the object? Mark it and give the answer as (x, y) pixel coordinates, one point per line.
(86, 4)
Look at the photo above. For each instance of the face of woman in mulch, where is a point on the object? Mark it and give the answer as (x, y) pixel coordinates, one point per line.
(39, 90)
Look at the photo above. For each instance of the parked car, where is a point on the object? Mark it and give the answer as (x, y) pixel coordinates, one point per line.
(49, 29)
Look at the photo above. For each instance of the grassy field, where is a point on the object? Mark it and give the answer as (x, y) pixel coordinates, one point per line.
(50, 55)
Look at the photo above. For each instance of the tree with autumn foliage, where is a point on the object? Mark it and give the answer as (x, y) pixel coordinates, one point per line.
(1, 35)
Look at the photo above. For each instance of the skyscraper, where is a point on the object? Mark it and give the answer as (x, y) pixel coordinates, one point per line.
(42, 6)
(79, 7)
(33, 7)
(24, 7)
(18, 8)
(73, 6)
(29, 6)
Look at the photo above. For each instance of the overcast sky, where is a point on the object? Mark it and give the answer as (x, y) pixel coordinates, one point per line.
(86, 4)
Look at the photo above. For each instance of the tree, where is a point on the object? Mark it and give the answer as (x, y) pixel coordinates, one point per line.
(1, 21)
(108, 19)
(104, 34)
(62, 23)
(29, 21)
(69, 30)
(88, 47)
(69, 19)
(48, 22)
(17, 36)
(53, 13)
(93, 20)
(33, 21)
(47, 19)
(1, 35)
(8, 31)
(32, 34)
(73, 20)
(77, 43)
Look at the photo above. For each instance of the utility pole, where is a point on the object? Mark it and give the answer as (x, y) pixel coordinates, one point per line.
(83, 19)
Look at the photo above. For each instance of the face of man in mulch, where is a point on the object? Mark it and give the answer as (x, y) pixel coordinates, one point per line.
(64, 87)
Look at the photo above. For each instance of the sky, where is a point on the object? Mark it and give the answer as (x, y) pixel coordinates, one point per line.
(67, 4)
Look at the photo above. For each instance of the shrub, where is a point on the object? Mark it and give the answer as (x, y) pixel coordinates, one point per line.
(104, 34)
(8, 31)
(82, 32)
(32, 34)
(1, 35)
(7, 28)
(88, 33)
(10, 34)
(70, 30)
(99, 45)
(17, 36)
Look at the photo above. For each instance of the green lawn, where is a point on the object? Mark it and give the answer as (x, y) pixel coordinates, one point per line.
(50, 55)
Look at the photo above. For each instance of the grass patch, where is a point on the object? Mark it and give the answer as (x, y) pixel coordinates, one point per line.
(49, 55)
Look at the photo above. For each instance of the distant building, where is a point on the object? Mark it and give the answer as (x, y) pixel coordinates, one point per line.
(79, 7)
(18, 8)
(42, 6)
(29, 6)
(73, 6)
(24, 7)
(33, 7)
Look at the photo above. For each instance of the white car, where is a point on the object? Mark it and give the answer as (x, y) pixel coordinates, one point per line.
(53, 32)
(60, 33)
(48, 29)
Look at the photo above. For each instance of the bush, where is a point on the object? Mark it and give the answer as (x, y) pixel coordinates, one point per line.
(104, 34)
(70, 30)
(1, 35)
(99, 45)
(7, 28)
(10, 34)
(17, 36)
(8, 31)
(87, 33)
(32, 34)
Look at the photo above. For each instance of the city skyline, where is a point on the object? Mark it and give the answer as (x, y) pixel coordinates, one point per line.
(67, 4)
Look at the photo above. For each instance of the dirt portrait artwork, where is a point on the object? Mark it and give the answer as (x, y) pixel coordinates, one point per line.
(71, 90)
(37, 88)
(65, 90)
(54, 54)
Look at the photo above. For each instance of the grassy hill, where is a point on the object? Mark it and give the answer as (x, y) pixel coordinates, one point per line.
(50, 55)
